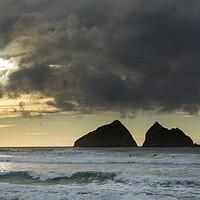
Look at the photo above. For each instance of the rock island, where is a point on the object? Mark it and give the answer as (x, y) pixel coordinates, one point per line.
(114, 134)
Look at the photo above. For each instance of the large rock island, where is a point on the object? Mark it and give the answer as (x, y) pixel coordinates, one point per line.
(110, 135)
(158, 136)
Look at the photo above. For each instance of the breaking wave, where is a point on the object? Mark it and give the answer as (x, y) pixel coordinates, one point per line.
(28, 177)
(102, 159)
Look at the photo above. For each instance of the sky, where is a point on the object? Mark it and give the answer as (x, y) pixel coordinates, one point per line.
(67, 67)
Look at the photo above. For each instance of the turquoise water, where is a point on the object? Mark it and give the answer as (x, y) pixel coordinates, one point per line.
(99, 173)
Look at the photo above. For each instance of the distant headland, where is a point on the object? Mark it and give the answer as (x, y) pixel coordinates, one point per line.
(116, 134)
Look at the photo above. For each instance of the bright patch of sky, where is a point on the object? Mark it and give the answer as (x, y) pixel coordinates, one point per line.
(5, 67)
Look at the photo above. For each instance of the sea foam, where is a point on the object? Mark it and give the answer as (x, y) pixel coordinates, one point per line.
(101, 159)
(101, 176)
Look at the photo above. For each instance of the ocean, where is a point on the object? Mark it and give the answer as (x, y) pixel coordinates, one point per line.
(99, 173)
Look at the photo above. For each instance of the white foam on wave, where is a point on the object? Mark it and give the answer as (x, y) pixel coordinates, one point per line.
(154, 179)
(91, 191)
(101, 159)
(122, 177)
(38, 175)
(47, 175)
(124, 186)
(69, 151)
(94, 191)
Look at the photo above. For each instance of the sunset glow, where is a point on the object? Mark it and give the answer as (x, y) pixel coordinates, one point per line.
(69, 67)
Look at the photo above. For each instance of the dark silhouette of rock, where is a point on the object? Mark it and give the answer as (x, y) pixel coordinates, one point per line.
(110, 135)
(196, 145)
(158, 136)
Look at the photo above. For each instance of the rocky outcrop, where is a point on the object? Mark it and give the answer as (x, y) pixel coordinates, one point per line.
(196, 145)
(158, 136)
(110, 135)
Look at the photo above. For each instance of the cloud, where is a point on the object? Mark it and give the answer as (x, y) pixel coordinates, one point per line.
(25, 113)
(29, 113)
(1, 91)
(191, 109)
(107, 56)
(6, 125)
(36, 133)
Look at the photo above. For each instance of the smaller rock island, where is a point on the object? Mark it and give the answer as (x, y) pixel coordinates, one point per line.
(158, 136)
(114, 134)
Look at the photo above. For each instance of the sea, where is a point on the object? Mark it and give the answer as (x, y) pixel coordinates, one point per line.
(51, 173)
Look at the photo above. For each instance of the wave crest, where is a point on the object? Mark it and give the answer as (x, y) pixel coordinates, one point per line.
(88, 177)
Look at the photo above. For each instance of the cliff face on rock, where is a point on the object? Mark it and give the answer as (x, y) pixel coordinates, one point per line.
(110, 135)
(158, 136)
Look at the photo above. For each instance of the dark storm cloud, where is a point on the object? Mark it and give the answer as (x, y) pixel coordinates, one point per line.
(97, 56)
(1, 91)
(24, 113)
(28, 80)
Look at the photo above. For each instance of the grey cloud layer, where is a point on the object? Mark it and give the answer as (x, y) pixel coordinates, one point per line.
(94, 56)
